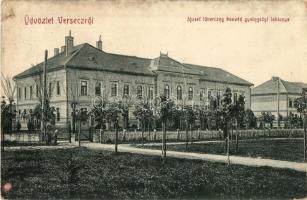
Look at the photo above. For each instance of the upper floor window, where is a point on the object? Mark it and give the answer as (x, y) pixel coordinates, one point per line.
(98, 88)
(126, 90)
(166, 91)
(151, 93)
(83, 88)
(235, 98)
(37, 90)
(25, 92)
(139, 91)
(31, 91)
(113, 89)
(290, 103)
(179, 92)
(218, 98)
(50, 89)
(58, 89)
(19, 93)
(190, 96)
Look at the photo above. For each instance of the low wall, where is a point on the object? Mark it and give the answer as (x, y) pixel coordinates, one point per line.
(125, 136)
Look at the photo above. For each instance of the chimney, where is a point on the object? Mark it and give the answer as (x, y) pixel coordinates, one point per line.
(69, 43)
(275, 78)
(63, 48)
(99, 43)
(56, 51)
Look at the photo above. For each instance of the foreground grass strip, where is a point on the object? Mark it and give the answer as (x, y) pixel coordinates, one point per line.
(286, 149)
(87, 174)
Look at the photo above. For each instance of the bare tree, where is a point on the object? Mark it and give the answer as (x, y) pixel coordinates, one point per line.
(8, 87)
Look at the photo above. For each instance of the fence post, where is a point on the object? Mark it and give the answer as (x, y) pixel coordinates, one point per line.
(198, 133)
(56, 137)
(155, 132)
(178, 134)
(124, 135)
(100, 135)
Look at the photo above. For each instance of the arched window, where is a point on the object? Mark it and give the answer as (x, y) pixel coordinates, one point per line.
(190, 97)
(179, 92)
(139, 91)
(166, 91)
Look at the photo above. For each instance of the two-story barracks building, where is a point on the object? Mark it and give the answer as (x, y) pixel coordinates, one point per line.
(79, 73)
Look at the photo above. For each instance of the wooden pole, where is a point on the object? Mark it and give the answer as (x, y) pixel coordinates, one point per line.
(116, 137)
(79, 132)
(44, 98)
(186, 135)
(163, 139)
(228, 158)
(305, 137)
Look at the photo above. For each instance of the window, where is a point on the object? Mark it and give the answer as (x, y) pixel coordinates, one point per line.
(235, 98)
(19, 93)
(113, 89)
(179, 92)
(201, 96)
(190, 97)
(151, 93)
(58, 91)
(31, 91)
(218, 98)
(98, 88)
(50, 89)
(58, 116)
(83, 88)
(166, 91)
(290, 103)
(139, 91)
(126, 90)
(25, 92)
(37, 90)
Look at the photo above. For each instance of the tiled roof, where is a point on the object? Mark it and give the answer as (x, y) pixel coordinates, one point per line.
(217, 74)
(270, 87)
(55, 62)
(88, 57)
(92, 58)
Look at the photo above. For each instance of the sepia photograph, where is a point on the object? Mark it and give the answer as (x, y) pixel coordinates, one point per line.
(153, 99)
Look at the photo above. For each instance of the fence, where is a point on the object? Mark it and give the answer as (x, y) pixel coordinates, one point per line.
(136, 136)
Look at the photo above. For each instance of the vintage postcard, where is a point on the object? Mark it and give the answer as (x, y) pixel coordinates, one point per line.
(153, 99)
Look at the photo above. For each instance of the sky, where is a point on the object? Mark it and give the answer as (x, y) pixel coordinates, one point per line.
(250, 50)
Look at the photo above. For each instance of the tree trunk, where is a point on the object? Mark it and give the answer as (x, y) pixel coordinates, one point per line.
(164, 139)
(237, 137)
(79, 133)
(186, 135)
(149, 123)
(305, 137)
(116, 136)
(228, 146)
(191, 133)
(143, 124)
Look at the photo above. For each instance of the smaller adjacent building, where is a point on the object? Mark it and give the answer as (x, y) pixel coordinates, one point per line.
(264, 96)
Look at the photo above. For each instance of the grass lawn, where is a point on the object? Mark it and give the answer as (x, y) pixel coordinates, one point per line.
(286, 149)
(86, 174)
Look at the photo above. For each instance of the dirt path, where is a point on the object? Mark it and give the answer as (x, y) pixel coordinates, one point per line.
(247, 161)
